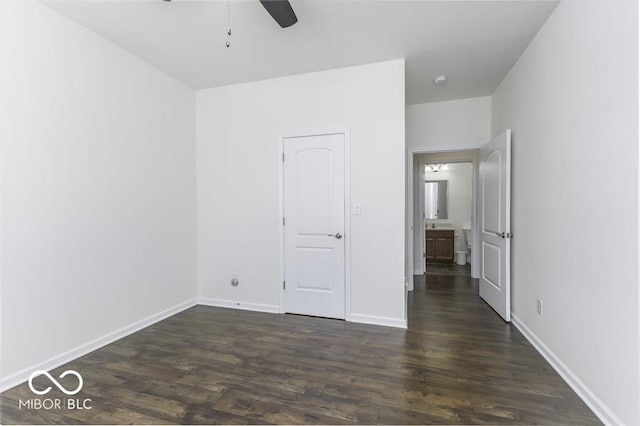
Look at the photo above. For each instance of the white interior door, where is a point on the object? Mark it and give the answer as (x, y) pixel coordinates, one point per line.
(495, 224)
(314, 240)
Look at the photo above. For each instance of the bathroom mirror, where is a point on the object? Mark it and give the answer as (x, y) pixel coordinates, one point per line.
(436, 199)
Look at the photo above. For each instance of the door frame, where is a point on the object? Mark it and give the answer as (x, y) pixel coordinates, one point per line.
(473, 162)
(423, 237)
(347, 208)
(411, 152)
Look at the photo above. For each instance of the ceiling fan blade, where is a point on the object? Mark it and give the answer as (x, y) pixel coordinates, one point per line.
(281, 11)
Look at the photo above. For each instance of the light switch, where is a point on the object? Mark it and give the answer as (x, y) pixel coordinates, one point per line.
(356, 209)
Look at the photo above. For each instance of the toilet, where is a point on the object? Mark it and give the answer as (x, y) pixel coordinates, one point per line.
(462, 255)
(467, 239)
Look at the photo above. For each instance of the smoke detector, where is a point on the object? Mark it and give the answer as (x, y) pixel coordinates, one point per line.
(440, 80)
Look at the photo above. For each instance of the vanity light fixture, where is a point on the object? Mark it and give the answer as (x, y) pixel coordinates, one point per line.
(436, 167)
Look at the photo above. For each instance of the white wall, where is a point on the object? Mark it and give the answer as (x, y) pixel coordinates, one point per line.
(238, 188)
(572, 102)
(98, 188)
(450, 125)
(459, 176)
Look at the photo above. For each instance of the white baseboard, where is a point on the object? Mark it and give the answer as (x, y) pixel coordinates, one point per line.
(593, 402)
(23, 375)
(275, 309)
(373, 320)
(257, 307)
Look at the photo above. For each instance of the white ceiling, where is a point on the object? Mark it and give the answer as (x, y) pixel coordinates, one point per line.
(474, 43)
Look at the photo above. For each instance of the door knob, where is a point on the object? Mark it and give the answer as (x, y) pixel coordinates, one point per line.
(338, 235)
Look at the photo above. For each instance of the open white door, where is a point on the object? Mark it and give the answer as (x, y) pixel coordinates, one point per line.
(495, 224)
(314, 208)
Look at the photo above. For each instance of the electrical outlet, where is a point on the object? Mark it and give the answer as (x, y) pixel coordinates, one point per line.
(356, 209)
(539, 306)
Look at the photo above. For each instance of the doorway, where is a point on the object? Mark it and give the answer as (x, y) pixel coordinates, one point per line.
(492, 210)
(445, 209)
(440, 181)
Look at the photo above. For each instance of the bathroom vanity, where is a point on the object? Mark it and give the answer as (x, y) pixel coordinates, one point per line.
(440, 245)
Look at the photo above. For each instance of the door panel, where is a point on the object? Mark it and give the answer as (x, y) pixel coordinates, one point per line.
(430, 248)
(314, 190)
(491, 184)
(495, 229)
(314, 269)
(491, 264)
(314, 208)
(443, 248)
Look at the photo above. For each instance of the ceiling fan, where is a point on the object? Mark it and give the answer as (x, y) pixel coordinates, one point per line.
(280, 10)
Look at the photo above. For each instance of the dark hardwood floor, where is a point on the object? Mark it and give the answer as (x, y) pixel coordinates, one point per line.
(458, 363)
(448, 269)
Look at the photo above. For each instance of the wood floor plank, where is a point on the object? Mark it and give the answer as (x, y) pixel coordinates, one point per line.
(458, 363)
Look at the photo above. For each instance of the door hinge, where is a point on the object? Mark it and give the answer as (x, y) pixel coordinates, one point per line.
(284, 285)
(509, 235)
(283, 157)
(283, 221)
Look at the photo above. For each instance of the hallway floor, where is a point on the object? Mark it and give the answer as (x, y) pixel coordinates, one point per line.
(458, 363)
(449, 269)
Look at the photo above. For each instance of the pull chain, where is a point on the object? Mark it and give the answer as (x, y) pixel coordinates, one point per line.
(228, 43)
